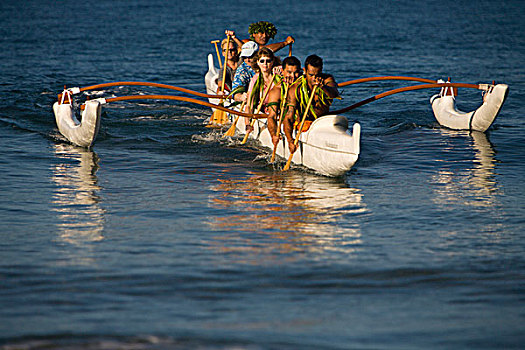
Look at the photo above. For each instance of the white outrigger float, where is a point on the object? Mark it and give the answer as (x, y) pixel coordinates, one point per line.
(446, 113)
(327, 147)
(81, 133)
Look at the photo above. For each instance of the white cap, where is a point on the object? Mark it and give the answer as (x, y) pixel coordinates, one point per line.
(249, 48)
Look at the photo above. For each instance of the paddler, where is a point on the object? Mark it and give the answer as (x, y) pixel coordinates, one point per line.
(300, 92)
(244, 72)
(261, 32)
(291, 70)
(231, 53)
(263, 81)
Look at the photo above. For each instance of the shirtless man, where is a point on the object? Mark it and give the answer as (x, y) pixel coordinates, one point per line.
(291, 70)
(300, 92)
(261, 32)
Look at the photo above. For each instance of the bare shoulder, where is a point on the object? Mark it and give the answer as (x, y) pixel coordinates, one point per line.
(293, 88)
(328, 78)
(275, 93)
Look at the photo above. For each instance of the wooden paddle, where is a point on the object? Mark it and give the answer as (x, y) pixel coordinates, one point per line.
(279, 123)
(231, 130)
(218, 116)
(217, 50)
(252, 123)
(296, 141)
(290, 50)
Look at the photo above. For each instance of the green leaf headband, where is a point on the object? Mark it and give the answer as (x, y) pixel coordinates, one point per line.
(262, 27)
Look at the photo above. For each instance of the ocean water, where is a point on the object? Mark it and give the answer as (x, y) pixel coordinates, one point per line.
(163, 236)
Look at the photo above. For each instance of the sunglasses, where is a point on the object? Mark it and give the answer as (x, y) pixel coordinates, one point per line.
(265, 61)
(231, 50)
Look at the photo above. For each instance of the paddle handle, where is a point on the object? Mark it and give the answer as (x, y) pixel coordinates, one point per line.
(219, 116)
(217, 50)
(225, 63)
(296, 141)
(289, 50)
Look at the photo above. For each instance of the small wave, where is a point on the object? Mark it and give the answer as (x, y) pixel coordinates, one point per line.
(213, 136)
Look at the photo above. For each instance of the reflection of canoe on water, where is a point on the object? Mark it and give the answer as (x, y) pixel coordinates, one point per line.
(327, 147)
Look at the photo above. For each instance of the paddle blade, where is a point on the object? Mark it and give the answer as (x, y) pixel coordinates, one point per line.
(218, 118)
(231, 130)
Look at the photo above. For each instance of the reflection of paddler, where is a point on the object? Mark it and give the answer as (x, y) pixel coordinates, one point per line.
(300, 92)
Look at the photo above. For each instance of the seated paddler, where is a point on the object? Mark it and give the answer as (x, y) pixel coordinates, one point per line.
(290, 72)
(261, 83)
(261, 32)
(231, 53)
(299, 94)
(244, 72)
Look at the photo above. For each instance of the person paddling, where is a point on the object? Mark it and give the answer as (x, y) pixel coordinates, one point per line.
(300, 92)
(291, 70)
(232, 62)
(264, 80)
(261, 32)
(244, 72)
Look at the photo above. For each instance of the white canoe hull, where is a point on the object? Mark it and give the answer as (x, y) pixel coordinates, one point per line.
(327, 147)
(210, 79)
(83, 133)
(446, 113)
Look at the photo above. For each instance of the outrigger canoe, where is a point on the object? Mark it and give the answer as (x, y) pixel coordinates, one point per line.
(327, 147)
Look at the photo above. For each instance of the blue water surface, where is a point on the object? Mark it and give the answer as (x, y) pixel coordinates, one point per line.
(164, 236)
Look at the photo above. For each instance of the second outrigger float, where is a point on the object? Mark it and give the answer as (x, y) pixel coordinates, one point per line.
(328, 147)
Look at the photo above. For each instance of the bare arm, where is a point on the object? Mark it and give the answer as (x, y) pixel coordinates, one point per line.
(274, 97)
(231, 33)
(291, 103)
(240, 97)
(277, 46)
(329, 86)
